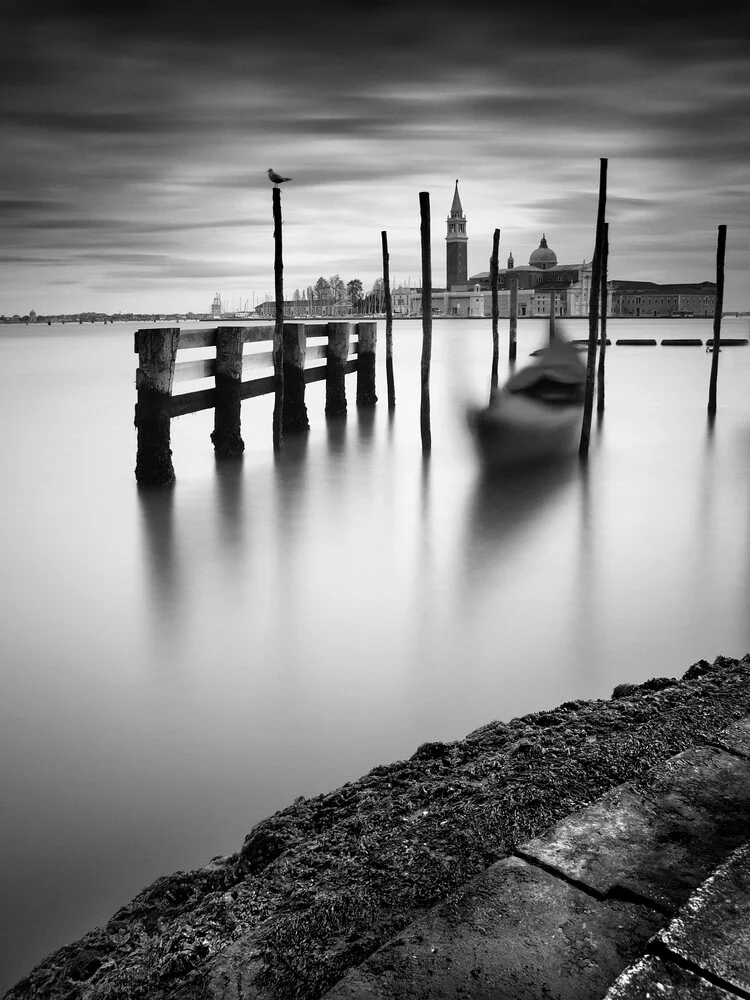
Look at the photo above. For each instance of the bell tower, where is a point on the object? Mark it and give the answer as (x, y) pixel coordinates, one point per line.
(456, 250)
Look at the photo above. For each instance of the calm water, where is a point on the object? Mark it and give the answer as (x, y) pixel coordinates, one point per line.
(177, 665)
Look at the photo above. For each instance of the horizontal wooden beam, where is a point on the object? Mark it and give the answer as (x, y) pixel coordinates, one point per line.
(204, 399)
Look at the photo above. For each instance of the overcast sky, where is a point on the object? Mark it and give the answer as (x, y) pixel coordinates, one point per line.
(135, 143)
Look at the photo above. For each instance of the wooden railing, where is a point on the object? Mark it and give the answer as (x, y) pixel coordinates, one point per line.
(158, 370)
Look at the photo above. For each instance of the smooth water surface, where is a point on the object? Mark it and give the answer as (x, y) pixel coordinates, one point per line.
(178, 664)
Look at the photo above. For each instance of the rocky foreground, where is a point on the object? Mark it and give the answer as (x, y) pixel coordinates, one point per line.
(319, 886)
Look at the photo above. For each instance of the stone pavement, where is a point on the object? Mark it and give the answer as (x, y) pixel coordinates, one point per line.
(643, 894)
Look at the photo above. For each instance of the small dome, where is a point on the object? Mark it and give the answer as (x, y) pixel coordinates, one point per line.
(543, 256)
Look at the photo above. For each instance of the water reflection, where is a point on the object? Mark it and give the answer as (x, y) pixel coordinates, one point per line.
(501, 507)
(156, 507)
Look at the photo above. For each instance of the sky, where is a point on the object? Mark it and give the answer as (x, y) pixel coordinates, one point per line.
(135, 140)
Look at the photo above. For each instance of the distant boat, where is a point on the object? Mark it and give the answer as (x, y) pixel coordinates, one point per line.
(536, 415)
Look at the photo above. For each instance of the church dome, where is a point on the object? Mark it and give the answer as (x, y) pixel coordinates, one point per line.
(543, 256)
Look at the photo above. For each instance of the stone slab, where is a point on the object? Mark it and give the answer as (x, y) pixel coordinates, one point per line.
(712, 930)
(652, 978)
(513, 933)
(658, 837)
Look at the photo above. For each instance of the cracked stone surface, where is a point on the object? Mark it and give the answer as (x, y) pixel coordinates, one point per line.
(658, 837)
(514, 933)
(712, 930)
(652, 978)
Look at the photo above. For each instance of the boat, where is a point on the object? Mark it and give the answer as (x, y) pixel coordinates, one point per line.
(536, 415)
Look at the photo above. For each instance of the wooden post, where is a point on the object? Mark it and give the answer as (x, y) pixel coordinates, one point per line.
(367, 337)
(226, 434)
(424, 410)
(495, 310)
(338, 352)
(552, 298)
(388, 324)
(278, 335)
(720, 248)
(596, 265)
(513, 327)
(157, 351)
(603, 323)
(294, 411)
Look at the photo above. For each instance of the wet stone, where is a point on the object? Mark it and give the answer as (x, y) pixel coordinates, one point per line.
(656, 838)
(513, 933)
(712, 930)
(652, 978)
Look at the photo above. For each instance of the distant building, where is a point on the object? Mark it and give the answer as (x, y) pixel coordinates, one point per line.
(217, 309)
(646, 298)
(32, 316)
(456, 245)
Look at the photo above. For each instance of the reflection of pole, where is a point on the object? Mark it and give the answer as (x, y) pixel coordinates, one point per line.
(551, 317)
(388, 324)
(512, 329)
(588, 404)
(495, 311)
(278, 333)
(424, 412)
(717, 317)
(603, 324)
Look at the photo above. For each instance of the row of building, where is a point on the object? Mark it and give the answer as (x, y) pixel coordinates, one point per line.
(542, 286)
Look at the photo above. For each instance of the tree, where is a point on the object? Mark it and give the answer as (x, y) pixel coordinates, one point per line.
(322, 293)
(354, 291)
(338, 290)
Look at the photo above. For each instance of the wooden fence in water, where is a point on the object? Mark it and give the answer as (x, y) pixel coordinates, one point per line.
(348, 348)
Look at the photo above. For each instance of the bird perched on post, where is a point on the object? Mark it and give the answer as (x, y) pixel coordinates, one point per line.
(277, 178)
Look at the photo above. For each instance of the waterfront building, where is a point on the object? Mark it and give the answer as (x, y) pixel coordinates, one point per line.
(647, 298)
(216, 307)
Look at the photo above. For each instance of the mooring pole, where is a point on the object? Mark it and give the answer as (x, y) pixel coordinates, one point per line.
(157, 352)
(338, 352)
(278, 333)
(294, 411)
(513, 325)
(495, 311)
(388, 324)
(424, 410)
(226, 434)
(367, 338)
(596, 266)
(720, 247)
(603, 323)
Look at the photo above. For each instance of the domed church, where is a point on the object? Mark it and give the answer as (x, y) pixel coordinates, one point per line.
(543, 257)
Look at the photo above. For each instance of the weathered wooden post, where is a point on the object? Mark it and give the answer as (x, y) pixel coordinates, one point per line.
(367, 337)
(603, 323)
(388, 324)
(495, 310)
(552, 298)
(720, 248)
(278, 334)
(336, 355)
(157, 351)
(513, 324)
(596, 264)
(294, 411)
(226, 434)
(424, 410)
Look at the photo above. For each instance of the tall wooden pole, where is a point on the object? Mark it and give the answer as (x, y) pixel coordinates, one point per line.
(603, 324)
(596, 267)
(552, 300)
(720, 247)
(513, 326)
(388, 324)
(495, 309)
(424, 411)
(278, 333)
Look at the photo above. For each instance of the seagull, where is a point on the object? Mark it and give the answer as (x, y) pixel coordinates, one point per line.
(277, 178)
